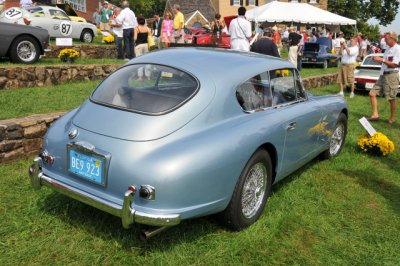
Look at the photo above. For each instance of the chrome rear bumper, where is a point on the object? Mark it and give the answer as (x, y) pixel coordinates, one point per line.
(127, 214)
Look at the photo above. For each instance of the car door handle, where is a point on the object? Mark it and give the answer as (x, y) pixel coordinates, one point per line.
(291, 126)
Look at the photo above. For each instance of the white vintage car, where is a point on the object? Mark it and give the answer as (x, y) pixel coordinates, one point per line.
(54, 20)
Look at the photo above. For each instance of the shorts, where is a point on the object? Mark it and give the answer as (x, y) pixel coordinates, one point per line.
(388, 84)
(104, 26)
(346, 74)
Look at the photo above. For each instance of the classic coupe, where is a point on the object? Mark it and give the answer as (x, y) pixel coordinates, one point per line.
(367, 73)
(167, 137)
(22, 44)
(53, 19)
(319, 54)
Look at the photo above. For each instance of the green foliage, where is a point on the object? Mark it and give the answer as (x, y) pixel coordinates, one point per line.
(144, 8)
(372, 32)
(383, 10)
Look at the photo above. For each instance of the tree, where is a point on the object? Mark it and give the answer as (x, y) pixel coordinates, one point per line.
(383, 10)
(145, 8)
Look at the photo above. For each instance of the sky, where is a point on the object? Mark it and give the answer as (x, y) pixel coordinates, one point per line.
(394, 26)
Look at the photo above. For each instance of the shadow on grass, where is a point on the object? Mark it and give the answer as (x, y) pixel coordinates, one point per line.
(370, 179)
(107, 226)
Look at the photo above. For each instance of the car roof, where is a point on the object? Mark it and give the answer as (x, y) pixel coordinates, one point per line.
(222, 66)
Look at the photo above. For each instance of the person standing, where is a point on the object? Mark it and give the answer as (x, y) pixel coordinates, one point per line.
(240, 31)
(105, 16)
(382, 44)
(167, 30)
(388, 82)
(300, 52)
(294, 46)
(216, 28)
(96, 17)
(156, 30)
(179, 24)
(1, 5)
(128, 21)
(364, 46)
(348, 65)
(265, 45)
(118, 33)
(25, 3)
(141, 34)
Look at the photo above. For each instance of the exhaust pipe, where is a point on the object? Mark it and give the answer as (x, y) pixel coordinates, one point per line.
(152, 232)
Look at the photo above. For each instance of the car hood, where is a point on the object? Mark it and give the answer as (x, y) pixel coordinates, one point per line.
(133, 126)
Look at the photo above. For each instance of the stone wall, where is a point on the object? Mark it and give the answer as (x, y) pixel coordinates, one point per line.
(319, 81)
(86, 51)
(21, 77)
(23, 136)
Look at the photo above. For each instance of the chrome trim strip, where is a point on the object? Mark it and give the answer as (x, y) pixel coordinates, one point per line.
(128, 214)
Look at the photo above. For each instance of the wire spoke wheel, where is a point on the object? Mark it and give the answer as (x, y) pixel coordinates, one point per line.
(26, 51)
(337, 139)
(254, 190)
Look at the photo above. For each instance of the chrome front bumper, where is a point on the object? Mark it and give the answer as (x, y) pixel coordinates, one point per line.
(127, 214)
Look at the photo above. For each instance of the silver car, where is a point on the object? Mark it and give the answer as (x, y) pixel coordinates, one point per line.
(54, 20)
(366, 75)
(167, 138)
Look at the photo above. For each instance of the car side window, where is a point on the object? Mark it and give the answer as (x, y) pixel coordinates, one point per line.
(255, 93)
(283, 86)
(57, 14)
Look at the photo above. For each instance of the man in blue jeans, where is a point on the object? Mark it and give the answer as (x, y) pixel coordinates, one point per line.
(129, 22)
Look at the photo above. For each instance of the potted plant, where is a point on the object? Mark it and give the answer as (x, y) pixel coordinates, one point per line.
(68, 55)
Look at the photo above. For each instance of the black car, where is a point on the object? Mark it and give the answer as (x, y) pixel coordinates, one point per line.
(319, 53)
(22, 44)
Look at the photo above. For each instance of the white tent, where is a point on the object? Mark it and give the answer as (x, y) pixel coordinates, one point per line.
(278, 12)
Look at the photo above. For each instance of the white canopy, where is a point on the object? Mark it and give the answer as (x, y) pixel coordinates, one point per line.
(278, 12)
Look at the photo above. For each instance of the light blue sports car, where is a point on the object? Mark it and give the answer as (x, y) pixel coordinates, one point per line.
(188, 132)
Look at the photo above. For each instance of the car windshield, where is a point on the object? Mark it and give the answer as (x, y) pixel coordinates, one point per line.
(146, 88)
(368, 61)
(323, 49)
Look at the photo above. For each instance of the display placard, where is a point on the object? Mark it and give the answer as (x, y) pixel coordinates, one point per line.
(367, 125)
(64, 41)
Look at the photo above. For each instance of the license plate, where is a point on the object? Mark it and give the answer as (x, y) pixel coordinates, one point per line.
(369, 85)
(333, 60)
(89, 167)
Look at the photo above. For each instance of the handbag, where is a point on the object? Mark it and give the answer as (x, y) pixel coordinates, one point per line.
(150, 40)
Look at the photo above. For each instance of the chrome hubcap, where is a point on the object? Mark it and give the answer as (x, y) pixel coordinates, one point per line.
(87, 37)
(26, 51)
(254, 190)
(336, 139)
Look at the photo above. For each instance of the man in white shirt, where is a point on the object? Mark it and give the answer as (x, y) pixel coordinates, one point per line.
(116, 27)
(348, 65)
(388, 82)
(1, 5)
(128, 20)
(25, 3)
(383, 45)
(240, 31)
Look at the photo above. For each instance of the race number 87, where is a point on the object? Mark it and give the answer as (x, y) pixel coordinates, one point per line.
(13, 13)
(65, 28)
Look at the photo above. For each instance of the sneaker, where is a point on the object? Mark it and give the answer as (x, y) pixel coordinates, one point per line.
(351, 95)
(340, 94)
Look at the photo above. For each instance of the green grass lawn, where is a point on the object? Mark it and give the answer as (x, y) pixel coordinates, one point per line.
(343, 211)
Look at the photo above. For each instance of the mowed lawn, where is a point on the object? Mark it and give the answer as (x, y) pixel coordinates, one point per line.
(343, 211)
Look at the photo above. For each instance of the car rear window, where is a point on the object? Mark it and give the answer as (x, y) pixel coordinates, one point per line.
(146, 88)
(368, 61)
